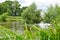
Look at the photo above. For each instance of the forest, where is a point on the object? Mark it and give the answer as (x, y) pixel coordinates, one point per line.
(21, 23)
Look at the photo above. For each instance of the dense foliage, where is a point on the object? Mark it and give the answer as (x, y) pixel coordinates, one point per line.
(31, 14)
(25, 17)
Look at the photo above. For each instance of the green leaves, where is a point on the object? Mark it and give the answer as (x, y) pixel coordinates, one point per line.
(52, 14)
(31, 14)
(3, 17)
(6, 34)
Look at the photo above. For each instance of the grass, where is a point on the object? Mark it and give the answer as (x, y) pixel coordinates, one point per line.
(7, 34)
(35, 33)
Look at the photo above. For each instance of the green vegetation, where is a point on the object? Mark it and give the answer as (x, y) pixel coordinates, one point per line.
(13, 18)
(6, 34)
(30, 12)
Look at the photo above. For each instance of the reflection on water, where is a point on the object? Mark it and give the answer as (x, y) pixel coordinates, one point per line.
(19, 27)
(44, 25)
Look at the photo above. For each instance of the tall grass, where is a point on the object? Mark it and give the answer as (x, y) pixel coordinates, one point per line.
(35, 33)
(6, 34)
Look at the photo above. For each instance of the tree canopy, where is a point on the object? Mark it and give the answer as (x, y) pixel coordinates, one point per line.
(31, 14)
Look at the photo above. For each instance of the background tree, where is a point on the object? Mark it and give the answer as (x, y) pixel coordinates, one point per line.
(3, 8)
(12, 7)
(51, 14)
(31, 14)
